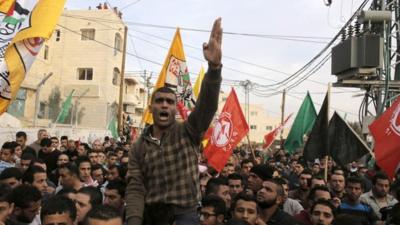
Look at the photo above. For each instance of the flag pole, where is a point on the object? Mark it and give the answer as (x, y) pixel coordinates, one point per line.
(327, 111)
(251, 149)
(283, 115)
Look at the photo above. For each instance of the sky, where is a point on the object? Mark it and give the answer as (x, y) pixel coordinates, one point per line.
(245, 57)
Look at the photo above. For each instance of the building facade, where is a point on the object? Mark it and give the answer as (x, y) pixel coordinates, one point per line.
(84, 56)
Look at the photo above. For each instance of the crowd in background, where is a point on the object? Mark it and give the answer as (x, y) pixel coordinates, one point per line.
(59, 179)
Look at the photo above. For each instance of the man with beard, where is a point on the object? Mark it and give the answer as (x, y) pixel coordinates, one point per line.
(258, 174)
(245, 207)
(219, 187)
(379, 196)
(163, 162)
(269, 198)
(27, 200)
(322, 212)
(300, 194)
(337, 184)
(351, 204)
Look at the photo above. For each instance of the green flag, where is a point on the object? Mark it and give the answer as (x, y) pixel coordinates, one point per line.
(112, 127)
(65, 109)
(302, 124)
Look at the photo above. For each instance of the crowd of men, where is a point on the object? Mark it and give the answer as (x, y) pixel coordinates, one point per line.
(65, 181)
(163, 177)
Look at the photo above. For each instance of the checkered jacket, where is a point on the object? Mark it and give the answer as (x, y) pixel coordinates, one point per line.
(167, 171)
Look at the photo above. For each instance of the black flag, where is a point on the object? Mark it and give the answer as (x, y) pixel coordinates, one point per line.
(317, 144)
(344, 144)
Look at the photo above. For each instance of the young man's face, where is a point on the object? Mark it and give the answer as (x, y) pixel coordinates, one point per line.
(223, 192)
(28, 214)
(235, 187)
(57, 219)
(39, 181)
(163, 108)
(66, 179)
(64, 143)
(6, 155)
(54, 143)
(113, 174)
(321, 215)
(93, 157)
(208, 216)
(5, 210)
(98, 176)
(24, 164)
(62, 159)
(246, 210)
(84, 171)
(113, 199)
(83, 206)
(337, 182)
(12, 182)
(112, 160)
(21, 141)
(354, 191)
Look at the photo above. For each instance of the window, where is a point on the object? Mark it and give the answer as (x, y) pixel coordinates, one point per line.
(58, 35)
(46, 52)
(116, 76)
(253, 127)
(268, 127)
(253, 113)
(117, 43)
(87, 34)
(85, 73)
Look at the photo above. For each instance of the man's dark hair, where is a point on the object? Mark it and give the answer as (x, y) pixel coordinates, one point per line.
(95, 195)
(245, 161)
(45, 142)
(23, 195)
(243, 196)
(111, 154)
(118, 185)
(21, 134)
(28, 155)
(214, 183)
(162, 90)
(5, 193)
(82, 159)
(313, 191)
(65, 191)
(9, 145)
(58, 205)
(216, 202)
(10, 173)
(29, 174)
(324, 202)
(121, 170)
(235, 176)
(54, 138)
(102, 212)
(64, 138)
(307, 171)
(97, 167)
(355, 180)
(380, 176)
(72, 168)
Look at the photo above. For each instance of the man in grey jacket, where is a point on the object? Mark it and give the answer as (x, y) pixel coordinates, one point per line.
(163, 177)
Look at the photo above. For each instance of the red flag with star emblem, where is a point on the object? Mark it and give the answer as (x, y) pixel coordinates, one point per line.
(270, 137)
(228, 130)
(386, 133)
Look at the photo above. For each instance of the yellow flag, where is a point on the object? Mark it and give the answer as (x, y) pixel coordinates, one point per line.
(174, 75)
(197, 85)
(24, 26)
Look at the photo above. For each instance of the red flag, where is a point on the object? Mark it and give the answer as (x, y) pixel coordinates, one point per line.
(386, 133)
(270, 137)
(183, 111)
(228, 130)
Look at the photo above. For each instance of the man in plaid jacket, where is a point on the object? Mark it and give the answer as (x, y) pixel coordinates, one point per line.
(163, 177)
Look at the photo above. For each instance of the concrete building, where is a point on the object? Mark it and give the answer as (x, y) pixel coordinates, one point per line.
(85, 55)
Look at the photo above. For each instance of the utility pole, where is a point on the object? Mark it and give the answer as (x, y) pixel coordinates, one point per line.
(121, 85)
(38, 89)
(283, 114)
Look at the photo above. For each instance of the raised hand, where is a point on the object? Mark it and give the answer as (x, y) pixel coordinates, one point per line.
(212, 50)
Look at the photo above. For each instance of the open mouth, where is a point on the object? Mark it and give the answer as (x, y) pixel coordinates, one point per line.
(164, 115)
